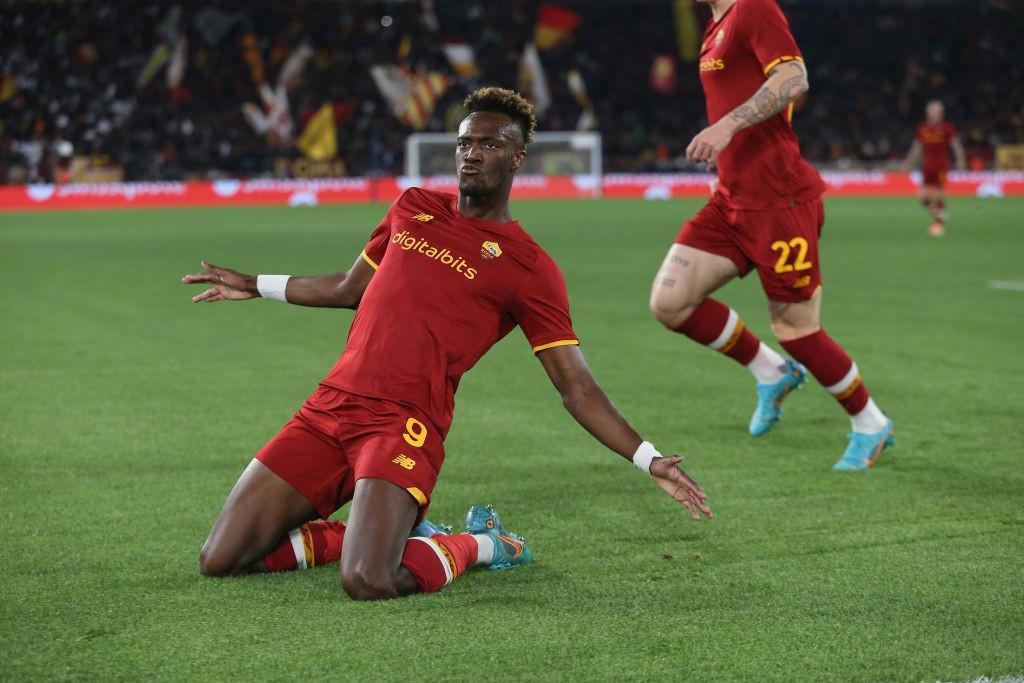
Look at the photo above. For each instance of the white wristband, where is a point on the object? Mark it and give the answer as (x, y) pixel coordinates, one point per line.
(272, 286)
(644, 455)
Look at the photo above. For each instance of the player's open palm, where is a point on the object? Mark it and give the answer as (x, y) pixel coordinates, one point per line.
(678, 484)
(226, 284)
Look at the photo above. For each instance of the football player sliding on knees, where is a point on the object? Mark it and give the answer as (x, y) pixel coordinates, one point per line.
(441, 280)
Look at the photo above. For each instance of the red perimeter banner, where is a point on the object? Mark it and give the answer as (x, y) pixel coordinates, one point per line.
(348, 190)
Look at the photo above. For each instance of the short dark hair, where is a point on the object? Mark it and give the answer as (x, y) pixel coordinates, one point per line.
(504, 101)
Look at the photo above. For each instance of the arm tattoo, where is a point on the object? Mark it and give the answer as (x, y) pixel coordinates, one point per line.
(768, 100)
(668, 282)
(681, 261)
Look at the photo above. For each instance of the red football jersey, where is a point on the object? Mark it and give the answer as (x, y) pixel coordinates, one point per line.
(447, 288)
(935, 139)
(761, 167)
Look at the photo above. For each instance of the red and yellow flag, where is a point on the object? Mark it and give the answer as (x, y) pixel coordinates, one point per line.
(412, 96)
(554, 24)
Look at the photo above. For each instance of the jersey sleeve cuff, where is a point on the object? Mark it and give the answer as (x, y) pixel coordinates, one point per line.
(551, 345)
(785, 58)
(373, 264)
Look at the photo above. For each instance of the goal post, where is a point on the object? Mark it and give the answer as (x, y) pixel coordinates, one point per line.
(570, 153)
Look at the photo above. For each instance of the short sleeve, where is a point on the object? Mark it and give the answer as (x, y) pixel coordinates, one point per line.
(375, 249)
(541, 307)
(950, 131)
(919, 136)
(767, 34)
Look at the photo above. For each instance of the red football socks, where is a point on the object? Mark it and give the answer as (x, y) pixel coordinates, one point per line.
(717, 326)
(830, 365)
(433, 562)
(310, 545)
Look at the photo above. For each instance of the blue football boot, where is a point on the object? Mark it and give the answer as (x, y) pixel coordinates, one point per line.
(769, 398)
(426, 529)
(509, 549)
(864, 450)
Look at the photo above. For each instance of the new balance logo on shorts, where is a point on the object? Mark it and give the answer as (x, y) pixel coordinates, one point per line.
(405, 461)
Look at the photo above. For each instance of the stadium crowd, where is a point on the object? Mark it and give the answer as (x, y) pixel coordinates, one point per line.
(159, 88)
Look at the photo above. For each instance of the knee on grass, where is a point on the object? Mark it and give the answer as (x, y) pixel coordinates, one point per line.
(213, 563)
(362, 584)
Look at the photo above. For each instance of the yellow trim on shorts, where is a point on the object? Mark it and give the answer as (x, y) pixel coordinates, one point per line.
(564, 342)
(376, 266)
(417, 494)
(786, 58)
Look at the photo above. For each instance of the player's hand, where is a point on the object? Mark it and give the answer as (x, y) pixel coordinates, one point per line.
(228, 285)
(679, 486)
(708, 144)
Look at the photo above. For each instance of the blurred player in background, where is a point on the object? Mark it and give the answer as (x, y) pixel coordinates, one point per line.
(766, 214)
(441, 280)
(931, 149)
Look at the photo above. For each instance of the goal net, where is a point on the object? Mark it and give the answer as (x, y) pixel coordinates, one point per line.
(576, 155)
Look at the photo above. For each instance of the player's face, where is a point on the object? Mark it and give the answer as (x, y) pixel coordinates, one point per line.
(487, 154)
(935, 112)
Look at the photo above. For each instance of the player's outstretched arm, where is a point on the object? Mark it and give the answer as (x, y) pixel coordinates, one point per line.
(592, 408)
(958, 153)
(786, 82)
(337, 290)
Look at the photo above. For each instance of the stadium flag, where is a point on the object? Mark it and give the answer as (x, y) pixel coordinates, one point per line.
(213, 24)
(688, 34)
(8, 87)
(251, 55)
(404, 48)
(319, 139)
(292, 68)
(587, 120)
(533, 82)
(393, 85)
(461, 58)
(412, 97)
(428, 16)
(664, 74)
(275, 118)
(157, 58)
(426, 90)
(179, 60)
(554, 24)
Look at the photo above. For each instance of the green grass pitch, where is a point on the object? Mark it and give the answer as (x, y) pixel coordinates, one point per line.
(126, 414)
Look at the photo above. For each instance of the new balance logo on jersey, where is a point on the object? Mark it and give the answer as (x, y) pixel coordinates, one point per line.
(423, 217)
(405, 461)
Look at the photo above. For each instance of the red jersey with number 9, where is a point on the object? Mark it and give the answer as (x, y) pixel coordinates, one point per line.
(761, 167)
(447, 288)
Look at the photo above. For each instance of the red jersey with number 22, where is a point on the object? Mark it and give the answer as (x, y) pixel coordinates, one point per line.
(761, 167)
(447, 288)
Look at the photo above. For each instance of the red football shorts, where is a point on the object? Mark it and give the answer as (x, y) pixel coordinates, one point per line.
(338, 438)
(781, 243)
(934, 176)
